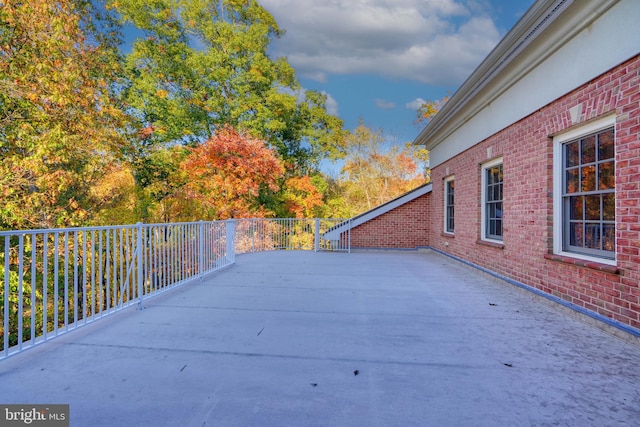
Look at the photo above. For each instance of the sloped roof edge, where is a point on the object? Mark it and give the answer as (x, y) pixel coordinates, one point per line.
(334, 232)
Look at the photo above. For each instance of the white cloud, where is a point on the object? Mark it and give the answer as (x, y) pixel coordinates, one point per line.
(436, 41)
(330, 104)
(384, 104)
(415, 104)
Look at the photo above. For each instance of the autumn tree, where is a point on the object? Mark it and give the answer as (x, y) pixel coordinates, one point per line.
(428, 110)
(226, 175)
(375, 171)
(301, 196)
(424, 114)
(60, 122)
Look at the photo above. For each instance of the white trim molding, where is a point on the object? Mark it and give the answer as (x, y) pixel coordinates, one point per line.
(556, 47)
(559, 139)
(483, 199)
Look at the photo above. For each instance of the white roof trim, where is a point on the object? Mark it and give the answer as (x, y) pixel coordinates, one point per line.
(471, 96)
(334, 232)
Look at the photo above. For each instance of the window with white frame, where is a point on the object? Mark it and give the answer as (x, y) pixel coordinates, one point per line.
(586, 200)
(492, 211)
(449, 205)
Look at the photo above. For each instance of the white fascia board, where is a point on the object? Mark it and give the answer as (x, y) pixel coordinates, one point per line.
(577, 47)
(334, 233)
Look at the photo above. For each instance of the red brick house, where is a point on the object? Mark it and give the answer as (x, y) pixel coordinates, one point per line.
(536, 163)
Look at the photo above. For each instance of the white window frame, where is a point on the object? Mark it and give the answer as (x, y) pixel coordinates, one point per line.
(558, 171)
(483, 210)
(447, 181)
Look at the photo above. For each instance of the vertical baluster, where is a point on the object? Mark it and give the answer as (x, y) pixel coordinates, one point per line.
(66, 281)
(45, 293)
(173, 255)
(20, 295)
(101, 272)
(120, 297)
(108, 266)
(180, 253)
(155, 268)
(75, 278)
(140, 264)
(127, 279)
(56, 272)
(34, 286)
(7, 290)
(92, 252)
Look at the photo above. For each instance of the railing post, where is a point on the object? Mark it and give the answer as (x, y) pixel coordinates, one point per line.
(230, 230)
(140, 261)
(316, 236)
(201, 249)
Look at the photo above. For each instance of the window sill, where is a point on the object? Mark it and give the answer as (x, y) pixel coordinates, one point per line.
(446, 234)
(612, 269)
(497, 245)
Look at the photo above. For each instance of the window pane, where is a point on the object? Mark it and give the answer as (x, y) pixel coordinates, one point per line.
(609, 237)
(577, 208)
(606, 145)
(588, 150)
(592, 235)
(499, 210)
(572, 154)
(498, 227)
(492, 210)
(588, 178)
(592, 207)
(573, 181)
(609, 207)
(493, 175)
(606, 178)
(576, 233)
(497, 193)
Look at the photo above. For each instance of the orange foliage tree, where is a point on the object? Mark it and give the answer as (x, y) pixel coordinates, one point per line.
(301, 196)
(375, 172)
(226, 174)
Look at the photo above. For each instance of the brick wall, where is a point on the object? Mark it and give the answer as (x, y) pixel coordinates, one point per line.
(405, 227)
(527, 152)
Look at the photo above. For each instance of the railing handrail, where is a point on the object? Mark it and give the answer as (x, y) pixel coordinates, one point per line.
(101, 227)
(56, 280)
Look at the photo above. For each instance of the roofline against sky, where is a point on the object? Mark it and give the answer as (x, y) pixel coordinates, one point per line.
(470, 95)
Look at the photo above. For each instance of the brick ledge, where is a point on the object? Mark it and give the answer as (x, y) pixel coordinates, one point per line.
(612, 269)
(490, 244)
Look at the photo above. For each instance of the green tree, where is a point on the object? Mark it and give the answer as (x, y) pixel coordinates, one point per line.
(60, 122)
(203, 65)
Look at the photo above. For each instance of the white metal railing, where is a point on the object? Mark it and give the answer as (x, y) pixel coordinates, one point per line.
(56, 280)
(265, 234)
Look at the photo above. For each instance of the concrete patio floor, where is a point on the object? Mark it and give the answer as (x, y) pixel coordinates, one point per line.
(330, 339)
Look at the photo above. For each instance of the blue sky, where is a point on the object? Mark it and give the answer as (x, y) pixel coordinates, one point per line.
(376, 59)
